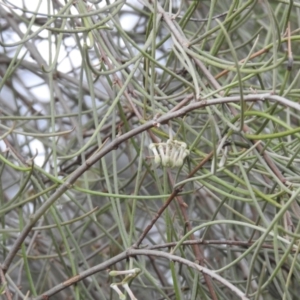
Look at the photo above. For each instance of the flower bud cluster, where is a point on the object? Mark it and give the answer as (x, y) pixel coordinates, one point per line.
(170, 154)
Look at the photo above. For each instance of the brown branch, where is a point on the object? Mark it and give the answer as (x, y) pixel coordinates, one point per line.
(140, 252)
(119, 140)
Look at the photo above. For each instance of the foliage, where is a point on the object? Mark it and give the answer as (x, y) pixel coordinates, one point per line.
(210, 211)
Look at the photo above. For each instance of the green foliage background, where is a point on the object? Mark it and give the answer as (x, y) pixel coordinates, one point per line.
(220, 76)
